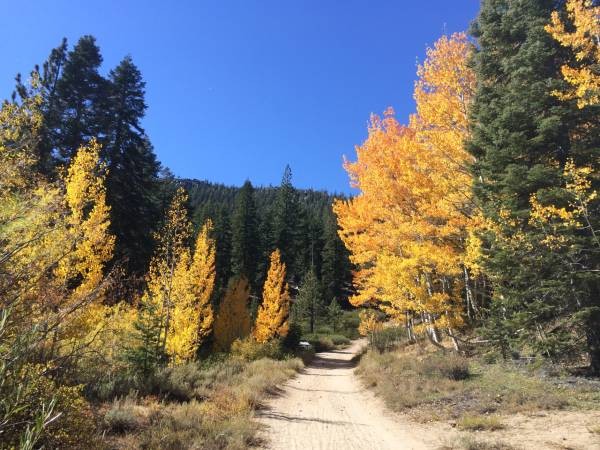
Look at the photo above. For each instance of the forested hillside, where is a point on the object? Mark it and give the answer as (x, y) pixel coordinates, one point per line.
(308, 234)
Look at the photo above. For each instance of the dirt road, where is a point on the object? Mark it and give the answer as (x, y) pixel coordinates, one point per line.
(325, 407)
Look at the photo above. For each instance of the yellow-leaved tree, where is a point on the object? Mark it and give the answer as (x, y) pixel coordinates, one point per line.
(233, 320)
(193, 283)
(408, 229)
(167, 280)
(54, 244)
(88, 238)
(582, 35)
(273, 314)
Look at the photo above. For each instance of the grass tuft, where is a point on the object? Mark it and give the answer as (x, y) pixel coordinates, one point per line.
(480, 423)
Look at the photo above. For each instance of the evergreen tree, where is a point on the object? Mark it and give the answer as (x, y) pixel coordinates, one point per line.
(522, 138)
(265, 233)
(309, 302)
(147, 354)
(222, 236)
(334, 314)
(289, 224)
(81, 99)
(244, 235)
(45, 87)
(335, 265)
(133, 168)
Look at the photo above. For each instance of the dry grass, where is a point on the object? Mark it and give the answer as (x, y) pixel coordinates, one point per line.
(441, 386)
(480, 423)
(473, 443)
(213, 409)
(594, 430)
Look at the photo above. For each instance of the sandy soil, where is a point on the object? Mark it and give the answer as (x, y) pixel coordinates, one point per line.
(325, 407)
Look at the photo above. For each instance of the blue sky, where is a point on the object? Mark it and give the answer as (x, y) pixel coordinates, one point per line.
(237, 89)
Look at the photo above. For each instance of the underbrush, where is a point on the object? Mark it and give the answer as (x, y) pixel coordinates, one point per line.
(480, 423)
(326, 342)
(208, 406)
(435, 385)
(474, 443)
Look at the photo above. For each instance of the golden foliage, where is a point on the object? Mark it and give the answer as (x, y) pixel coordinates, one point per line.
(193, 282)
(273, 314)
(55, 245)
(171, 286)
(407, 230)
(203, 273)
(558, 222)
(584, 41)
(368, 322)
(89, 220)
(233, 320)
(19, 128)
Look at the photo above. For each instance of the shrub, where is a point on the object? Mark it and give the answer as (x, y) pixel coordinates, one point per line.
(218, 415)
(73, 415)
(324, 329)
(249, 349)
(480, 423)
(320, 343)
(384, 339)
(338, 339)
(293, 337)
(350, 323)
(306, 355)
(472, 443)
(451, 366)
(122, 416)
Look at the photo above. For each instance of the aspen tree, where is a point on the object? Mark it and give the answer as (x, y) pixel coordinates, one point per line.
(273, 314)
(584, 41)
(407, 229)
(233, 319)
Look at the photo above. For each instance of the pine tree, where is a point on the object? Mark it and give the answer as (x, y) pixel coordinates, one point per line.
(309, 303)
(334, 314)
(146, 355)
(233, 320)
(289, 226)
(273, 314)
(133, 169)
(265, 234)
(45, 89)
(335, 265)
(523, 137)
(81, 94)
(244, 235)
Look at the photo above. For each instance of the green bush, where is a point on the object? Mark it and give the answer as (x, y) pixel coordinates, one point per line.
(350, 322)
(249, 349)
(338, 339)
(320, 343)
(324, 329)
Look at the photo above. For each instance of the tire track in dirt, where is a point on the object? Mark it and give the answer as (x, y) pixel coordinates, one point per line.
(325, 407)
